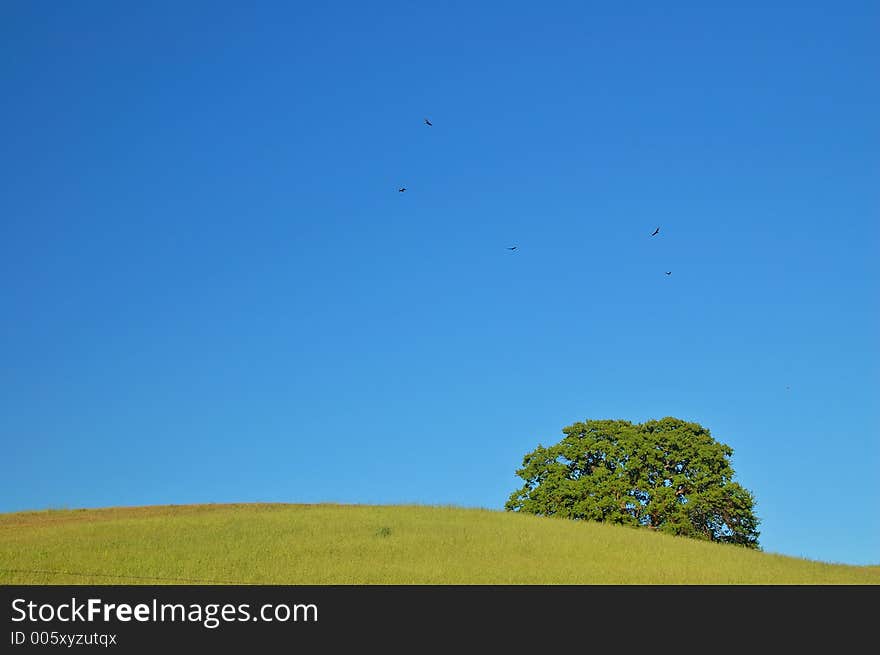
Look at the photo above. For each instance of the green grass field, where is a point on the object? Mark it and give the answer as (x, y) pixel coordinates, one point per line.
(360, 544)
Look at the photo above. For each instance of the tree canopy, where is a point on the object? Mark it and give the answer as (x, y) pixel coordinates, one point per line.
(669, 475)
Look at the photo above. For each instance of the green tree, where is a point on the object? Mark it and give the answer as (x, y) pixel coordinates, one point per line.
(668, 475)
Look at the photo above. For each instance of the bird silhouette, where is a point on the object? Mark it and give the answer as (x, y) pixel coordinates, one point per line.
(654, 233)
(512, 247)
(401, 189)
(668, 272)
(428, 123)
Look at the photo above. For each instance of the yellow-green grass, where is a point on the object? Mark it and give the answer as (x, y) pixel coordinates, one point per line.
(363, 544)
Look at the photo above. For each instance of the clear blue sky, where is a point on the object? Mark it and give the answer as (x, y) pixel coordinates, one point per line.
(213, 292)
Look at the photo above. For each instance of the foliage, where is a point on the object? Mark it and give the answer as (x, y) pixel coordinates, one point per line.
(668, 475)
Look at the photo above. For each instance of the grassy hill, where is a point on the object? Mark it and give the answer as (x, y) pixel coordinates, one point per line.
(359, 544)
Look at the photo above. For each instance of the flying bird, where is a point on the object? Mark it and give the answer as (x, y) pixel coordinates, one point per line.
(401, 189)
(428, 123)
(654, 233)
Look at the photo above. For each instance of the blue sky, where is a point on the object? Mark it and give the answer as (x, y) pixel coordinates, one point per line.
(213, 292)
